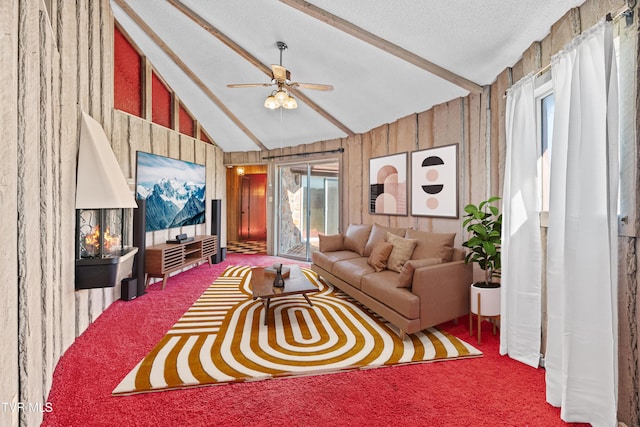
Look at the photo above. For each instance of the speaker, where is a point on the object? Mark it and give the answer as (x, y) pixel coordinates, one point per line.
(140, 241)
(216, 228)
(129, 289)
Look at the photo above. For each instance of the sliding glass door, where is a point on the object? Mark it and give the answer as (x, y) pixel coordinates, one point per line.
(308, 205)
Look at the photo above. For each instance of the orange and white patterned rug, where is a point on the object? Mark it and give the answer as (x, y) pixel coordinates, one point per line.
(222, 338)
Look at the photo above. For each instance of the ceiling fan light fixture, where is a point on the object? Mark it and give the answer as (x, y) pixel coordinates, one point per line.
(281, 78)
(271, 102)
(290, 103)
(281, 96)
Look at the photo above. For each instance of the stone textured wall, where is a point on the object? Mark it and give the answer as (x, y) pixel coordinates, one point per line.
(8, 207)
(55, 64)
(289, 231)
(57, 61)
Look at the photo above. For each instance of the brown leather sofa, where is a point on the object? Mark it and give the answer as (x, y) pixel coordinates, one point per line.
(429, 287)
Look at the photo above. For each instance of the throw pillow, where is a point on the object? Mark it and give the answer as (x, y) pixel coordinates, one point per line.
(330, 243)
(406, 275)
(432, 245)
(458, 254)
(380, 255)
(379, 233)
(356, 238)
(401, 253)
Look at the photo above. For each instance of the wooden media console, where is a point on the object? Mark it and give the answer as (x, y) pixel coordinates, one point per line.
(163, 259)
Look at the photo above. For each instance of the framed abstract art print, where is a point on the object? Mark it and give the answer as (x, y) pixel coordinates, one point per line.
(434, 182)
(388, 185)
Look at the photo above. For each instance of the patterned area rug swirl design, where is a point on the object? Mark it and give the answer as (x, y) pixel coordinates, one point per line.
(222, 338)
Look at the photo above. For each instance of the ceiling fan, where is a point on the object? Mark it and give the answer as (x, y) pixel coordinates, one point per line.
(281, 78)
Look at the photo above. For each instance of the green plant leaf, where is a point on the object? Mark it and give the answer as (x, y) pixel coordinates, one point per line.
(484, 225)
(470, 209)
(480, 230)
(474, 241)
(489, 248)
(479, 215)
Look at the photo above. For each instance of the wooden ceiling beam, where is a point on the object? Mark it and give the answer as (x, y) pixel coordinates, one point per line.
(255, 61)
(187, 70)
(383, 44)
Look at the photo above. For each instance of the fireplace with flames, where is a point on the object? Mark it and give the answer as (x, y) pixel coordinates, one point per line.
(103, 258)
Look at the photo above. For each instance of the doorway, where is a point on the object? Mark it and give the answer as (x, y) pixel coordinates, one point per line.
(253, 219)
(308, 205)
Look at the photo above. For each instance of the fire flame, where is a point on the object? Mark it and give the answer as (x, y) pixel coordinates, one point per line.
(92, 241)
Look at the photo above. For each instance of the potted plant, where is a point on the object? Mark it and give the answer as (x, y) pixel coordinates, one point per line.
(484, 224)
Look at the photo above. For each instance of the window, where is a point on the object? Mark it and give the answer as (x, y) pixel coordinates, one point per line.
(545, 107)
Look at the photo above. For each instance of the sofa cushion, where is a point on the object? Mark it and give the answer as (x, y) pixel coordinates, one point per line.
(380, 255)
(378, 234)
(356, 237)
(331, 243)
(401, 253)
(326, 260)
(405, 278)
(381, 286)
(432, 245)
(352, 270)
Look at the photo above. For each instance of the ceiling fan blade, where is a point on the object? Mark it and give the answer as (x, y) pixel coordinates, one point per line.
(280, 73)
(313, 86)
(242, 85)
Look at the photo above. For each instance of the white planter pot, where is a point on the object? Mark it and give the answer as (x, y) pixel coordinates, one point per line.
(489, 301)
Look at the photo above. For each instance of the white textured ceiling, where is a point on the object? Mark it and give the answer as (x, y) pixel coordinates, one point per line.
(474, 39)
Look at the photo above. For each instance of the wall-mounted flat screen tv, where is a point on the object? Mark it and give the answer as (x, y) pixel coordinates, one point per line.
(174, 191)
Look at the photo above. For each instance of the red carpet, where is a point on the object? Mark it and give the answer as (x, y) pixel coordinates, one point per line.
(488, 391)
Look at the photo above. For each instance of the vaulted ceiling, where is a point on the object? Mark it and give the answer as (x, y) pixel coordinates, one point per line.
(385, 59)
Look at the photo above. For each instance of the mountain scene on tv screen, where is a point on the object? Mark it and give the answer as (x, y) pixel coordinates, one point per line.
(171, 203)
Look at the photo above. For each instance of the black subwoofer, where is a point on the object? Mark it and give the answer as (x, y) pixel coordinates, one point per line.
(129, 289)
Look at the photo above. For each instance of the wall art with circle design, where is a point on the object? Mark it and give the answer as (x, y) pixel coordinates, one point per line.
(388, 185)
(434, 182)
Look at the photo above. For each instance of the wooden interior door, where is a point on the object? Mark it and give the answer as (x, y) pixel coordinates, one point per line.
(245, 208)
(253, 207)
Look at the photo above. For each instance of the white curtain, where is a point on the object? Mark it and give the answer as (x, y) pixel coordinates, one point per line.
(581, 357)
(520, 320)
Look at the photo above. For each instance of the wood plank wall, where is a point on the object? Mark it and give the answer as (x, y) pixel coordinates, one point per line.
(443, 125)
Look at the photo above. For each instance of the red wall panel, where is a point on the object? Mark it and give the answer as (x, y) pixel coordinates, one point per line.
(203, 137)
(186, 122)
(127, 76)
(160, 102)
